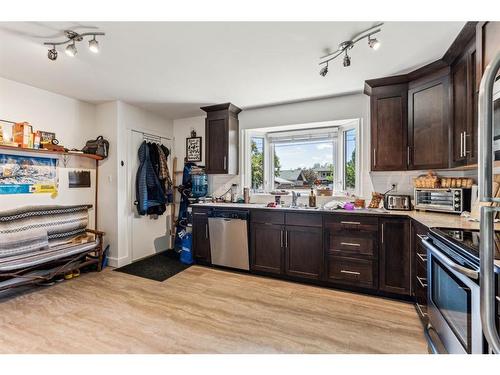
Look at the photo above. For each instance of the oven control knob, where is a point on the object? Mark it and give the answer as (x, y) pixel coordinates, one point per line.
(456, 199)
(457, 205)
(457, 193)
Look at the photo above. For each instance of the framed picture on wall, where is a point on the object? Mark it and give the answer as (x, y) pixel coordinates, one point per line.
(193, 148)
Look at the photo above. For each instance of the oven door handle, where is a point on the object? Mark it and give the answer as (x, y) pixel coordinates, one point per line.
(456, 267)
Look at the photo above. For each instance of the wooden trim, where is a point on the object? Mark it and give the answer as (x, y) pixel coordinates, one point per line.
(50, 152)
(461, 42)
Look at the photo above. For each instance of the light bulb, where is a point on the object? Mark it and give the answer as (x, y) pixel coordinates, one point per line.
(374, 43)
(71, 50)
(94, 45)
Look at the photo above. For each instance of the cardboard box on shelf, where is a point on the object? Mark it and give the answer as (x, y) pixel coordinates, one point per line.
(21, 134)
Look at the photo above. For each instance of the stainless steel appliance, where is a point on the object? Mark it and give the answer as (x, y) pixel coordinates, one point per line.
(397, 202)
(486, 110)
(229, 238)
(453, 200)
(453, 291)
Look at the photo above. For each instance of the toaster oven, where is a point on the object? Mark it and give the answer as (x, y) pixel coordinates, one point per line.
(454, 200)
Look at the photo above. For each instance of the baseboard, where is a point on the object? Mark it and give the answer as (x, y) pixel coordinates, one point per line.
(118, 262)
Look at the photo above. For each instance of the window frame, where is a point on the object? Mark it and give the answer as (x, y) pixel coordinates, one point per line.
(338, 157)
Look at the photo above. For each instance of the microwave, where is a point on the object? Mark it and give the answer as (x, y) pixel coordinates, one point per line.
(452, 200)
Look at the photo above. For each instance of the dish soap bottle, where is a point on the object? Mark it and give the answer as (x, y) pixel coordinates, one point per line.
(312, 199)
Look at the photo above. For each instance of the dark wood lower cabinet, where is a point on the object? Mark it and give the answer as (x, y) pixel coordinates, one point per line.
(266, 254)
(201, 237)
(304, 252)
(394, 256)
(352, 271)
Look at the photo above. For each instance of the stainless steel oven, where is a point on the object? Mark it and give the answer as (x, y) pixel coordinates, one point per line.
(453, 299)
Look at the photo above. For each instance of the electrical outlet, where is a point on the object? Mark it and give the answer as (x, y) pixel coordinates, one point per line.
(394, 188)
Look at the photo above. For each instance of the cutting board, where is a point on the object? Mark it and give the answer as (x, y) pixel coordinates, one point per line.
(476, 205)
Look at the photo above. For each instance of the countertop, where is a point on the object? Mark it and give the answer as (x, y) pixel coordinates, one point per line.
(429, 219)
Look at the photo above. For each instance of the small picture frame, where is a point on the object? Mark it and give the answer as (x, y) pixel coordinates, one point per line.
(193, 148)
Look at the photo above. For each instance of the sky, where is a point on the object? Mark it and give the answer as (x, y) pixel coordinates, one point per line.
(304, 155)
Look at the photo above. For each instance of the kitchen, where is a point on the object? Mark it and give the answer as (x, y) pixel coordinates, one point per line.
(326, 187)
(391, 249)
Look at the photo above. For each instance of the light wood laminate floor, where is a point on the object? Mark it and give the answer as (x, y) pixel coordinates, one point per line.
(203, 310)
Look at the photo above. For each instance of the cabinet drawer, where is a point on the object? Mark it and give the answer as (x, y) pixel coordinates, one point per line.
(267, 216)
(305, 220)
(351, 271)
(356, 245)
(351, 223)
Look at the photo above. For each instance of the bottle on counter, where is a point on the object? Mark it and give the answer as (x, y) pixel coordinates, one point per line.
(246, 195)
(312, 198)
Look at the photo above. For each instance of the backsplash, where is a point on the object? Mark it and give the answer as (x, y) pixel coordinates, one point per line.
(382, 181)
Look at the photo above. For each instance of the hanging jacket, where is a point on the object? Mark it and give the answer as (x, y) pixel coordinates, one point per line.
(150, 198)
(165, 173)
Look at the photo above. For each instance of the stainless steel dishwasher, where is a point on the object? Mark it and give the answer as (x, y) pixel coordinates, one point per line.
(229, 238)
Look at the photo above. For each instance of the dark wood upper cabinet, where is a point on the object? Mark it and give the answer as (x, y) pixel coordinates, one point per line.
(464, 130)
(221, 139)
(487, 45)
(304, 252)
(266, 247)
(429, 123)
(394, 256)
(389, 128)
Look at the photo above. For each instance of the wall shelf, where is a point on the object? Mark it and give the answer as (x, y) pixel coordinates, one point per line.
(50, 152)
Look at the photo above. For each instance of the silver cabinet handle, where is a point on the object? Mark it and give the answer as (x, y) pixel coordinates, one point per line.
(422, 281)
(382, 233)
(465, 144)
(422, 257)
(374, 157)
(408, 155)
(461, 144)
(420, 310)
(225, 162)
(281, 238)
(350, 222)
(206, 231)
(422, 236)
(350, 244)
(286, 238)
(350, 272)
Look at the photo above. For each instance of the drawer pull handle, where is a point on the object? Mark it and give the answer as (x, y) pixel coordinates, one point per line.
(350, 222)
(350, 272)
(422, 257)
(420, 310)
(350, 244)
(422, 281)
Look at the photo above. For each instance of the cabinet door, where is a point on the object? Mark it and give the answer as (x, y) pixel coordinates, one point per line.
(304, 252)
(216, 133)
(394, 256)
(488, 44)
(460, 118)
(428, 124)
(389, 131)
(266, 245)
(201, 240)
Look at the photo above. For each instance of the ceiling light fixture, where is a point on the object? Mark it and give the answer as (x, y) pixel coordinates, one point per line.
(324, 70)
(71, 38)
(71, 50)
(52, 55)
(373, 43)
(94, 45)
(349, 44)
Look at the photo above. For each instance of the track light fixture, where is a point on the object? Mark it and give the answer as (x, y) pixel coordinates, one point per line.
(71, 38)
(52, 55)
(349, 44)
(324, 70)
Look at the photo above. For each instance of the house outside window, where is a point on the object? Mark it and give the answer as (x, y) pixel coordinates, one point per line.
(299, 159)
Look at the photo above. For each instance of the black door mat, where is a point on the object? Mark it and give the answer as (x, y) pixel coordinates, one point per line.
(158, 267)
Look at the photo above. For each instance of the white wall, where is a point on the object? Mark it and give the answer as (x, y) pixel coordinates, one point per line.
(115, 120)
(72, 121)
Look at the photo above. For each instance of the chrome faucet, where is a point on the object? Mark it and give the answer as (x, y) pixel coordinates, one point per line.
(294, 198)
